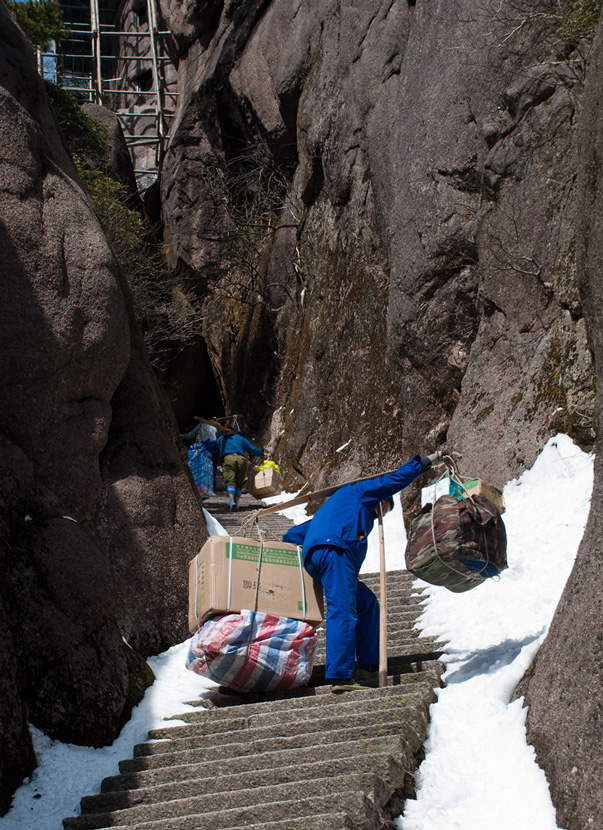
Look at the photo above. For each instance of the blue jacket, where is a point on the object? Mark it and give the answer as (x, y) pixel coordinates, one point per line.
(347, 517)
(236, 443)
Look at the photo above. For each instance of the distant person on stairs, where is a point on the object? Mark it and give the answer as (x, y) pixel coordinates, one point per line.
(230, 448)
(334, 547)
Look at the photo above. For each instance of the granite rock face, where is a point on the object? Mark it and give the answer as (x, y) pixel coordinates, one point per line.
(410, 174)
(565, 691)
(119, 162)
(410, 278)
(17, 757)
(99, 517)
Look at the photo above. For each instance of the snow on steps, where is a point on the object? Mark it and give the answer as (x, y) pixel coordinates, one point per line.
(301, 760)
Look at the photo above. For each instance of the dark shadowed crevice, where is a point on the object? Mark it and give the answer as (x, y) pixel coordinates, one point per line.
(257, 367)
(315, 182)
(191, 385)
(285, 146)
(207, 22)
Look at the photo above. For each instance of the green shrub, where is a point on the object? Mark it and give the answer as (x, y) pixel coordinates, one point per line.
(167, 316)
(580, 17)
(84, 136)
(164, 311)
(41, 21)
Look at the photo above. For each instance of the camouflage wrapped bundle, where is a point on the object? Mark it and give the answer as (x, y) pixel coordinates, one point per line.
(457, 543)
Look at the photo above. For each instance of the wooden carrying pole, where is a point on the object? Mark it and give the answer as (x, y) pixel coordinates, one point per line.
(214, 423)
(382, 607)
(317, 495)
(223, 429)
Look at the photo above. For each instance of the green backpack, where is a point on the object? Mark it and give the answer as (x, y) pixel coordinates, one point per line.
(457, 543)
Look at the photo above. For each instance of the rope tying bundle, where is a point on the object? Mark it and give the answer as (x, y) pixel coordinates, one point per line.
(254, 520)
(257, 583)
(452, 471)
(249, 521)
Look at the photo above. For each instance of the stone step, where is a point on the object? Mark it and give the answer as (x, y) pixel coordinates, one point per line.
(321, 697)
(287, 752)
(360, 810)
(398, 666)
(292, 708)
(401, 671)
(400, 629)
(252, 802)
(284, 751)
(326, 821)
(404, 598)
(258, 744)
(394, 581)
(390, 769)
(395, 613)
(398, 590)
(396, 673)
(273, 526)
(398, 640)
(233, 528)
(391, 574)
(397, 648)
(306, 697)
(216, 746)
(266, 735)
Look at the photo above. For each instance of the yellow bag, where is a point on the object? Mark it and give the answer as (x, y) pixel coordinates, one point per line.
(267, 465)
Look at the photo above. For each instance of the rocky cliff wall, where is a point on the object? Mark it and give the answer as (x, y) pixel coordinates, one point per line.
(99, 517)
(565, 690)
(380, 198)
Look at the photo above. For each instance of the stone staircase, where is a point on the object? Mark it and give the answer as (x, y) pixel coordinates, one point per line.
(272, 526)
(302, 760)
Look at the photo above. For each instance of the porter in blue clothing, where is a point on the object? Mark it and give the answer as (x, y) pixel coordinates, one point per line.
(235, 442)
(231, 448)
(334, 547)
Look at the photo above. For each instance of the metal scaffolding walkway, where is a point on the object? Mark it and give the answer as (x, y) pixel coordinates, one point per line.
(119, 60)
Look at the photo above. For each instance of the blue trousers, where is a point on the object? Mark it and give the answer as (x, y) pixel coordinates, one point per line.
(352, 612)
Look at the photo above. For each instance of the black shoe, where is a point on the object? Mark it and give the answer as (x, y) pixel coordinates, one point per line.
(367, 676)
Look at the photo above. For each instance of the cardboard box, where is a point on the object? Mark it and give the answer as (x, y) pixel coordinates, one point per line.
(221, 584)
(478, 487)
(472, 487)
(264, 483)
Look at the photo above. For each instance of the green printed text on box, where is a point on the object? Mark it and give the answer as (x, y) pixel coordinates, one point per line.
(270, 556)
